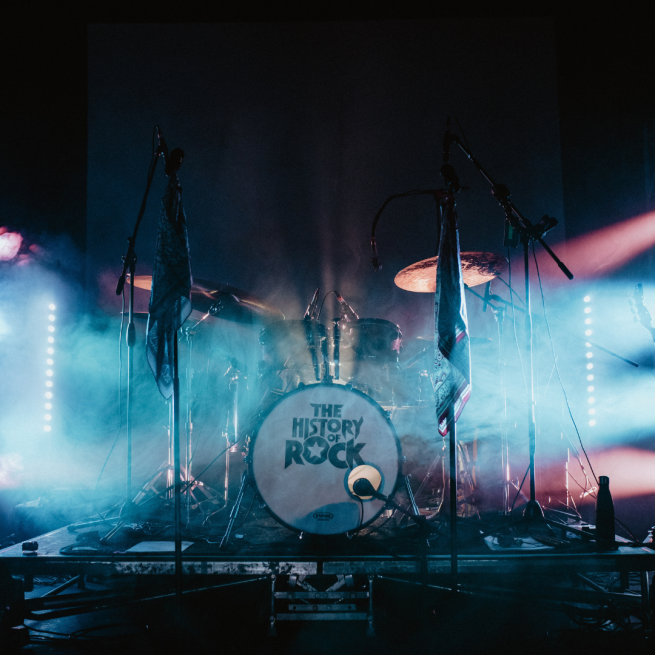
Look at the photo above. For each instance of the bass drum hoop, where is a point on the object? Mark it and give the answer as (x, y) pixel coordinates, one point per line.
(383, 413)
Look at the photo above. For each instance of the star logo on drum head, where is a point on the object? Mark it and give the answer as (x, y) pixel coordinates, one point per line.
(316, 450)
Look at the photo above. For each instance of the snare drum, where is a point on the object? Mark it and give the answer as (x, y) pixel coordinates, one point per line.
(368, 357)
(296, 351)
(305, 447)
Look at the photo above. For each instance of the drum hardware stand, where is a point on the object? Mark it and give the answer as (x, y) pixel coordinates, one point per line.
(517, 226)
(245, 482)
(232, 426)
(188, 422)
(336, 344)
(311, 314)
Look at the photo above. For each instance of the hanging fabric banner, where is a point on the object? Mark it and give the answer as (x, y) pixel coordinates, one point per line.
(170, 294)
(452, 375)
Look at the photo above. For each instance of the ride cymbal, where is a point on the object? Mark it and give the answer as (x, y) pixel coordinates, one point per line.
(477, 268)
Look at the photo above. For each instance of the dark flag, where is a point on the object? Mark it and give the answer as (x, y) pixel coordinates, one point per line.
(452, 380)
(170, 295)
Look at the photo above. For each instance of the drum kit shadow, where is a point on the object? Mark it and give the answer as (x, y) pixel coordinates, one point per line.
(330, 399)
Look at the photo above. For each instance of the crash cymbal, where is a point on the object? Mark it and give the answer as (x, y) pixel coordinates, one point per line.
(223, 301)
(477, 268)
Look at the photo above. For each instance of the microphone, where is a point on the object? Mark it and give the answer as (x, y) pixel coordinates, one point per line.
(172, 160)
(362, 488)
(163, 148)
(347, 312)
(487, 296)
(311, 309)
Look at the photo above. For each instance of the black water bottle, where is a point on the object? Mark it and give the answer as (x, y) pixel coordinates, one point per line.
(604, 515)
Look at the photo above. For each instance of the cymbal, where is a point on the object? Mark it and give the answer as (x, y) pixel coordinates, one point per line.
(477, 268)
(223, 301)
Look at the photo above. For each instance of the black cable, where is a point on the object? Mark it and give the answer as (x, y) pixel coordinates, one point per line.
(552, 348)
(627, 529)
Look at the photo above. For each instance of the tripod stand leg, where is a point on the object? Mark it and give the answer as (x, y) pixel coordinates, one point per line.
(412, 502)
(235, 510)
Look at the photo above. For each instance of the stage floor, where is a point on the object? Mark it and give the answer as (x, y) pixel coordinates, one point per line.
(261, 546)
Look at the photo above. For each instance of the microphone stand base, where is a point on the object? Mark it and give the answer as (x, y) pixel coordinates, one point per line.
(533, 517)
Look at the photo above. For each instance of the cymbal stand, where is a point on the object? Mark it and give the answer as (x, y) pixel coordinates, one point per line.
(188, 423)
(529, 233)
(231, 432)
(500, 311)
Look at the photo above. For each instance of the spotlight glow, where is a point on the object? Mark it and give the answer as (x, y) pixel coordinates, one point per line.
(48, 373)
(51, 339)
(587, 298)
(48, 383)
(590, 366)
(588, 333)
(590, 378)
(48, 405)
(590, 388)
(48, 417)
(51, 307)
(49, 362)
(592, 411)
(47, 428)
(51, 317)
(48, 394)
(51, 351)
(587, 310)
(590, 355)
(588, 344)
(592, 400)
(587, 321)
(51, 328)
(592, 422)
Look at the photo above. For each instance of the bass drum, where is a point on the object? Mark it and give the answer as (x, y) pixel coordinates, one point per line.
(305, 447)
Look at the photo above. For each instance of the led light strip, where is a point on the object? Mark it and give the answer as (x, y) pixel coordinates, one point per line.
(590, 376)
(50, 350)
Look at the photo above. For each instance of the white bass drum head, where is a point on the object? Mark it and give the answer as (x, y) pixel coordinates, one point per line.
(304, 449)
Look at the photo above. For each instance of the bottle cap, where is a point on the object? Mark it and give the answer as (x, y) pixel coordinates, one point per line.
(603, 479)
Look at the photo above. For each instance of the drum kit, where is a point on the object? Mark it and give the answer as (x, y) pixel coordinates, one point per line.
(329, 399)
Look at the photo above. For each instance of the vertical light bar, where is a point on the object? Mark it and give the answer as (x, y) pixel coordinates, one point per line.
(588, 321)
(49, 372)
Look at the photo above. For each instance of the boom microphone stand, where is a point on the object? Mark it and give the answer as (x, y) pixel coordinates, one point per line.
(529, 233)
(129, 261)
